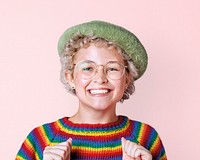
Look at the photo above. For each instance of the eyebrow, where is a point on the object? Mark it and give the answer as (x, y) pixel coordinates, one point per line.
(98, 64)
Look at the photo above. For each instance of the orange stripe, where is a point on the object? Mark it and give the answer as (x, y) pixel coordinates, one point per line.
(43, 135)
(92, 133)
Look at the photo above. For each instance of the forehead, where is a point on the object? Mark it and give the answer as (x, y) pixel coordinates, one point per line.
(100, 55)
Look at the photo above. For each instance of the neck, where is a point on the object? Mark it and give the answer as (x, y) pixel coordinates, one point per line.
(94, 116)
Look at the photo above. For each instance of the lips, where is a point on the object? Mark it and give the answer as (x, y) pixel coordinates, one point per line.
(99, 91)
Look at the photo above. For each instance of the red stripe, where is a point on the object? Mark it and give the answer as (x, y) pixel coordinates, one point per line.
(145, 135)
(40, 139)
(83, 153)
(27, 150)
(69, 123)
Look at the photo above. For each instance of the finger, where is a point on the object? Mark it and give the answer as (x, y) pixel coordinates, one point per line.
(130, 148)
(123, 142)
(52, 156)
(69, 142)
(67, 145)
(62, 149)
(143, 153)
(124, 145)
(55, 150)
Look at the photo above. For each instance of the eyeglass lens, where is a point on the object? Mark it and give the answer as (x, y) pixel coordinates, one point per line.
(113, 70)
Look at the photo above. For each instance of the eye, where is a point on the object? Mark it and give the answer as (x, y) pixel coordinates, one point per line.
(86, 66)
(87, 69)
(112, 69)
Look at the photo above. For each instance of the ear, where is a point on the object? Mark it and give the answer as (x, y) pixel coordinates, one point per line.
(70, 79)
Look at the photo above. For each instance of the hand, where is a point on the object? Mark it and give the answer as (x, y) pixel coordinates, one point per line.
(60, 151)
(134, 151)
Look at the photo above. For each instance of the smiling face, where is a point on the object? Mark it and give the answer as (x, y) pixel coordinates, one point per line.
(98, 92)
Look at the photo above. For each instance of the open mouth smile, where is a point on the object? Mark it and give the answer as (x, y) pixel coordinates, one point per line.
(99, 91)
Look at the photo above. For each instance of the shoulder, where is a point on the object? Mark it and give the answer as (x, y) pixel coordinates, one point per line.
(37, 140)
(46, 130)
(147, 136)
(138, 125)
(139, 131)
(141, 126)
(143, 132)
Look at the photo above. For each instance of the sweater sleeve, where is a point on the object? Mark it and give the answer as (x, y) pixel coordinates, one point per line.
(36, 141)
(149, 138)
(156, 146)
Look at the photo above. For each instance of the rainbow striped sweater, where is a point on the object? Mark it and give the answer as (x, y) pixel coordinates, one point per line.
(92, 141)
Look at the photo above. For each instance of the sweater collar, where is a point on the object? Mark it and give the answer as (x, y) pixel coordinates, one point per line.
(69, 126)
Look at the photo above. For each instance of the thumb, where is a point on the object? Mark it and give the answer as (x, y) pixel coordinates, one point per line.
(123, 140)
(124, 154)
(69, 143)
(69, 140)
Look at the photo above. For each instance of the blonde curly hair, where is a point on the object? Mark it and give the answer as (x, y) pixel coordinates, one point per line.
(79, 41)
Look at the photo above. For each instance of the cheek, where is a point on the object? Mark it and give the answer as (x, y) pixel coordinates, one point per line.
(122, 83)
(80, 82)
(119, 91)
(120, 86)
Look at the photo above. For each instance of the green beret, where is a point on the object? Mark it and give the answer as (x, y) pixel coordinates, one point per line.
(114, 33)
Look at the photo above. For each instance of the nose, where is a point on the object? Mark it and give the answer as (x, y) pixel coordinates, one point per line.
(100, 76)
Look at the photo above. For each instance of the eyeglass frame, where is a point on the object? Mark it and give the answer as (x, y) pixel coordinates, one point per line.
(104, 69)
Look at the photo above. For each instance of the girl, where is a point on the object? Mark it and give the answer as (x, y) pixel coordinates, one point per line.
(100, 62)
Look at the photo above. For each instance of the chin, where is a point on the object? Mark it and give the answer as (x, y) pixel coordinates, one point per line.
(102, 107)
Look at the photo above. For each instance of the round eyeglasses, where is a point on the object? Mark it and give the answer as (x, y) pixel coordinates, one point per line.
(88, 69)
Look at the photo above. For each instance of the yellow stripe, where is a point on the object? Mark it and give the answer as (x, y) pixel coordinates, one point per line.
(28, 143)
(19, 158)
(30, 146)
(97, 149)
(92, 133)
(44, 135)
(37, 156)
(154, 145)
(53, 143)
(141, 132)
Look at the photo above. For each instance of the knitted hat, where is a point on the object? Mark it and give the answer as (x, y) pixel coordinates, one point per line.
(116, 34)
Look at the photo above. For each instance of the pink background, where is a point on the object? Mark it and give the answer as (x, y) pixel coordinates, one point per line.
(167, 96)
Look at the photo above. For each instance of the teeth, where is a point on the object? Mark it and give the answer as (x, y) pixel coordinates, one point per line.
(98, 91)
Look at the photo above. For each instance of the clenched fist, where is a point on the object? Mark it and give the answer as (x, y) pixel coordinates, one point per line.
(60, 151)
(134, 151)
